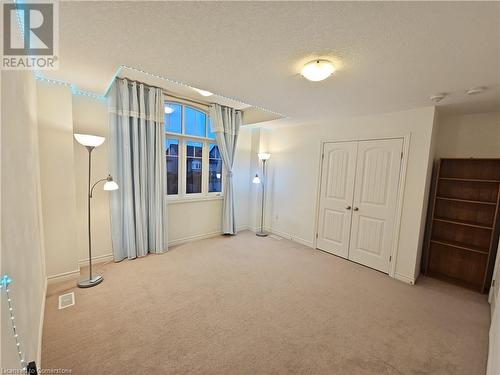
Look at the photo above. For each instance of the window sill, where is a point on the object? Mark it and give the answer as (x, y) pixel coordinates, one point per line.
(193, 200)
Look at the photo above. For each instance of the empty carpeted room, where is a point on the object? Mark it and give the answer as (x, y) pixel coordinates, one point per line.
(250, 187)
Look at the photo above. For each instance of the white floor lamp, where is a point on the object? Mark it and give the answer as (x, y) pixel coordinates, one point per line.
(90, 142)
(263, 156)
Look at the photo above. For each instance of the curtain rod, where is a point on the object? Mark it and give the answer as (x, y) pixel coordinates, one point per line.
(168, 93)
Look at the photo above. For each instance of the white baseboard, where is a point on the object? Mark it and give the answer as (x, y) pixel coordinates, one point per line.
(40, 326)
(291, 237)
(96, 259)
(52, 279)
(202, 236)
(241, 228)
(284, 235)
(63, 276)
(405, 279)
(195, 237)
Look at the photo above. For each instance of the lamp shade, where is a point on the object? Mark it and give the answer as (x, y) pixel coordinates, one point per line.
(110, 185)
(256, 179)
(264, 155)
(89, 140)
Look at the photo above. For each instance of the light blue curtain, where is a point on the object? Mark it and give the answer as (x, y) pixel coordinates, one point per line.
(226, 126)
(136, 135)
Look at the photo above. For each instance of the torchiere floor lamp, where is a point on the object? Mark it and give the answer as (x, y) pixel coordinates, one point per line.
(263, 156)
(90, 142)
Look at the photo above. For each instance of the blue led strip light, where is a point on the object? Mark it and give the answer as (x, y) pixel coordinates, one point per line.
(20, 21)
(192, 87)
(4, 284)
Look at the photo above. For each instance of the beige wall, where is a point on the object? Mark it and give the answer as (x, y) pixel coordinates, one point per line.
(22, 253)
(186, 221)
(294, 171)
(474, 135)
(55, 123)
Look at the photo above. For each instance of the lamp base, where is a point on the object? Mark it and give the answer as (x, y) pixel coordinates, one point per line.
(88, 283)
(261, 234)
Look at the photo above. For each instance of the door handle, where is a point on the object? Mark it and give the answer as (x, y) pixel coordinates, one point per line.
(356, 209)
(348, 207)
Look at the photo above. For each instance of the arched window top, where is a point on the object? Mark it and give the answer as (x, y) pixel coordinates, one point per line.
(187, 120)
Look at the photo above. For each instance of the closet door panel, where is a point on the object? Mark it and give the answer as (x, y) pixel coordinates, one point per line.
(336, 196)
(374, 208)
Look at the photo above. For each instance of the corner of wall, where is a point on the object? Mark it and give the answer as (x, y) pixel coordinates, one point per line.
(427, 193)
(58, 199)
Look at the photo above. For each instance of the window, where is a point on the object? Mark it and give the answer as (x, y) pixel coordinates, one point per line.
(194, 167)
(214, 168)
(172, 152)
(194, 163)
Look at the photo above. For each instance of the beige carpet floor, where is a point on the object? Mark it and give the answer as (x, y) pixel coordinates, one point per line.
(247, 305)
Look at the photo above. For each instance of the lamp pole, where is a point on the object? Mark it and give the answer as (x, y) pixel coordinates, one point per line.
(90, 142)
(263, 156)
(263, 183)
(90, 149)
(91, 281)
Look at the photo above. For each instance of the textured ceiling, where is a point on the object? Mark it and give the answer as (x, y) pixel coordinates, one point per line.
(390, 56)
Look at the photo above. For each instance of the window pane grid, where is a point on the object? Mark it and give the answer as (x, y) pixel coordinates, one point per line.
(173, 118)
(194, 164)
(194, 167)
(172, 155)
(214, 169)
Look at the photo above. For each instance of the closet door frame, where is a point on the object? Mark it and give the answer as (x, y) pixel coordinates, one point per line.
(399, 199)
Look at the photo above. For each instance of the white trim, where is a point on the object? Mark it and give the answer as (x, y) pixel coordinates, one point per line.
(399, 200)
(96, 259)
(195, 237)
(405, 279)
(210, 197)
(63, 276)
(183, 138)
(318, 193)
(52, 279)
(284, 235)
(291, 237)
(40, 326)
(399, 206)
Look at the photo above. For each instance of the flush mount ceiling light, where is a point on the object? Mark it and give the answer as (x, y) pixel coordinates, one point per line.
(203, 92)
(475, 90)
(437, 97)
(317, 70)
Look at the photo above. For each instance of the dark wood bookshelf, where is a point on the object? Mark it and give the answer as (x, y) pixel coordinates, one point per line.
(463, 235)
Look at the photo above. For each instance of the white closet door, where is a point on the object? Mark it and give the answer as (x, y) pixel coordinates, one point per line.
(374, 207)
(337, 188)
